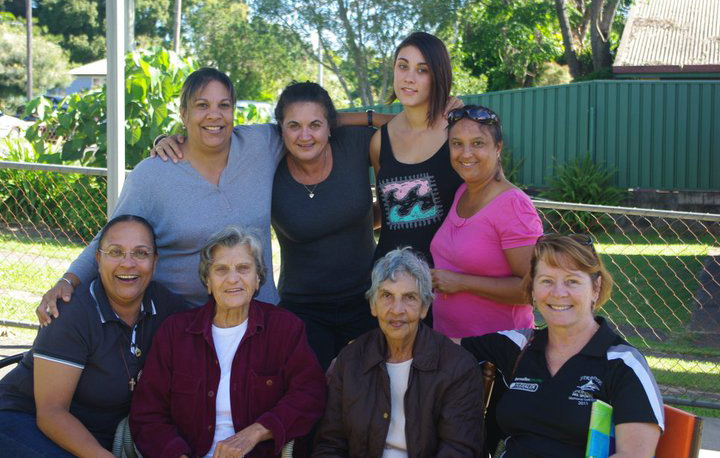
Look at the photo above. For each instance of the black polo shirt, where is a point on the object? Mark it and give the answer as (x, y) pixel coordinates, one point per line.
(546, 415)
(90, 336)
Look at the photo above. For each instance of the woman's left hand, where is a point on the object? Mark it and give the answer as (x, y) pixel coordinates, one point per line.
(445, 281)
(242, 442)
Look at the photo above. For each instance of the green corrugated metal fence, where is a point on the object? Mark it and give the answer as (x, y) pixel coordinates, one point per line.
(657, 134)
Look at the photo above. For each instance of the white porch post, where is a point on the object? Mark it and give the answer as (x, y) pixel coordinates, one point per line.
(115, 101)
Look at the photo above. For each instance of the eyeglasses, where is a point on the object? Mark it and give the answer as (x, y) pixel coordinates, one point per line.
(477, 114)
(117, 253)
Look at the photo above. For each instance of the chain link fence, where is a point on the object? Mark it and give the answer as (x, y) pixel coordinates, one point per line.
(666, 266)
(48, 213)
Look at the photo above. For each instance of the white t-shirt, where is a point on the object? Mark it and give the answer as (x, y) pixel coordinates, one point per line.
(226, 343)
(395, 443)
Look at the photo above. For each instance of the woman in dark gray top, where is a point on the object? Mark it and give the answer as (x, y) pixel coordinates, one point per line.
(322, 215)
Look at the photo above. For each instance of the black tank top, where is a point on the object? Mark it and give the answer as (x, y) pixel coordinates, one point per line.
(414, 198)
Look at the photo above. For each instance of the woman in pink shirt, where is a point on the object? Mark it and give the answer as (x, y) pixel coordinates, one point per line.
(482, 250)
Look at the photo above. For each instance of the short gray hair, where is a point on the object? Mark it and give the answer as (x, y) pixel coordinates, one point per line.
(402, 260)
(229, 237)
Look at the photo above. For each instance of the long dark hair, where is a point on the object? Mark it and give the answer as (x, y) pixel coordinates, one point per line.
(438, 61)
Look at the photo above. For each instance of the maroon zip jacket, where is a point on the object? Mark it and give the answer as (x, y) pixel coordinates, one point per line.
(276, 381)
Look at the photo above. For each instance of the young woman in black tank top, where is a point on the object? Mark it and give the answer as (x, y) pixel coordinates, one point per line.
(410, 155)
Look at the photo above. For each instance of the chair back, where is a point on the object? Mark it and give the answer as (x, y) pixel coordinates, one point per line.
(9, 360)
(682, 436)
(488, 371)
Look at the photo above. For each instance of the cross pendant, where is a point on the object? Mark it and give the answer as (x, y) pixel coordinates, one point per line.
(132, 384)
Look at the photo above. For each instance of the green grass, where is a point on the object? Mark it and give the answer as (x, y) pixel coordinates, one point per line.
(655, 281)
(28, 268)
(21, 282)
(686, 373)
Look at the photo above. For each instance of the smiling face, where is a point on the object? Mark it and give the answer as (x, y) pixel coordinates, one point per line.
(209, 117)
(398, 308)
(233, 277)
(564, 296)
(126, 278)
(305, 130)
(412, 81)
(473, 153)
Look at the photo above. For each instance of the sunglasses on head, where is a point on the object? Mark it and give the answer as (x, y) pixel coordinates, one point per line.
(477, 114)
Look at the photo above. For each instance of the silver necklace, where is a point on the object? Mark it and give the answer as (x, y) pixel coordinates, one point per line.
(311, 192)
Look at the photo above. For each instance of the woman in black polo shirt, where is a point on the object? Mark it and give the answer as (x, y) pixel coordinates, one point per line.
(73, 387)
(554, 375)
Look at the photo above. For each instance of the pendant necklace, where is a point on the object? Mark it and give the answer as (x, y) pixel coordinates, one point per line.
(135, 350)
(131, 380)
(311, 192)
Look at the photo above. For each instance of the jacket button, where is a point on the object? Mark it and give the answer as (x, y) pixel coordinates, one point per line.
(269, 382)
(385, 415)
(210, 427)
(211, 393)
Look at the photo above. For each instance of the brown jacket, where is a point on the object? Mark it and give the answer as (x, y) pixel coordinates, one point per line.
(443, 401)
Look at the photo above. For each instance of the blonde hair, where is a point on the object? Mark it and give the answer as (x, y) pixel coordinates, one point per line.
(576, 252)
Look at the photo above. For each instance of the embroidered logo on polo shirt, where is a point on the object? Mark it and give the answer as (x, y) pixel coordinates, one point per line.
(525, 384)
(583, 392)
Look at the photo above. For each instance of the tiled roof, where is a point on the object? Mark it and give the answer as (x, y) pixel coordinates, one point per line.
(670, 36)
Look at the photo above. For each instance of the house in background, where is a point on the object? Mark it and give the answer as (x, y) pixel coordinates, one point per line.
(670, 39)
(88, 76)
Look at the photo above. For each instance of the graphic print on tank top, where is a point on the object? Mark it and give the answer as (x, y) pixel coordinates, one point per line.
(411, 201)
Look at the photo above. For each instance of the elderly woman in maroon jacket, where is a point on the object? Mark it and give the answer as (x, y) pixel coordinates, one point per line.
(402, 390)
(235, 377)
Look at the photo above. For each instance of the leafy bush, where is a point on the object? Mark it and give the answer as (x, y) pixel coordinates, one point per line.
(153, 80)
(582, 180)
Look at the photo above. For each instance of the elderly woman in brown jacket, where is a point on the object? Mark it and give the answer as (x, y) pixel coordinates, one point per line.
(402, 390)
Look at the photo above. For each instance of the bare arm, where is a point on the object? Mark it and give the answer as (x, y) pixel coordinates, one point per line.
(361, 119)
(54, 387)
(507, 289)
(375, 143)
(636, 440)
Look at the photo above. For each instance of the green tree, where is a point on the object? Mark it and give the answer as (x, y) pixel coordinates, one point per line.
(50, 63)
(259, 57)
(363, 34)
(509, 40)
(80, 24)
